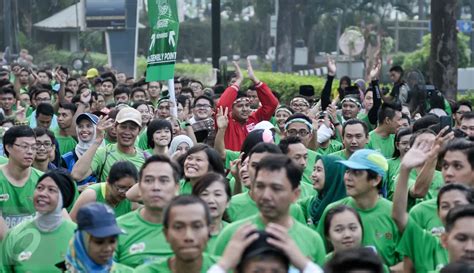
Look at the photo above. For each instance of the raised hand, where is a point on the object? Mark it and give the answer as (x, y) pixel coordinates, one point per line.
(86, 97)
(238, 73)
(375, 71)
(284, 242)
(20, 112)
(222, 118)
(60, 76)
(331, 67)
(236, 246)
(250, 72)
(417, 155)
(104, 123)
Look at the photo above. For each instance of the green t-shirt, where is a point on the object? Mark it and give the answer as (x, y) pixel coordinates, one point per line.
(306, 189)
(120, 268)
(305, 207)
(3, 160)
(66, 143)
(143, 243)
(380, 230)
(16, 203)
(365, 118)
(211, 243)
(310, 162)
(307, 240)
(385, 145)
(392, 173)
(143, 140)
(108, 155)
(242, 206)
(27, 249)
(425, 215)
(333, 147)
(341, 154)
(229, 157)
(424, 249)
(124, 207)
(163, 267)
(432, 193)
(185, 187)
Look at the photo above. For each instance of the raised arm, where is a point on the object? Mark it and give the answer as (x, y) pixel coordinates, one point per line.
(222, 121)
(267, 99)
(230, 94)
(326, 93)
(82, 168)
(372, 114)
(415, 157)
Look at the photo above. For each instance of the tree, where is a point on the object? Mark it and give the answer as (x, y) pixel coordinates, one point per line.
(444, 53)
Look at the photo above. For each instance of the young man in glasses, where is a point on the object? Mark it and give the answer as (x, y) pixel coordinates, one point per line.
(17, 177)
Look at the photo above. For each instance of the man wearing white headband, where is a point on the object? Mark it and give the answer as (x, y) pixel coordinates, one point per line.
(241, 118)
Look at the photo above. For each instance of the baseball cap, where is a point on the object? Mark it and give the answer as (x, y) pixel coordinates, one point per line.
(92, 73)
(129, 114)
(98, 219)
(261, 247)
(367, 159)
(90, 117)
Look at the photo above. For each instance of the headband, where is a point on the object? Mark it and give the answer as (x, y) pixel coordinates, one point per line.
(300, 99)
(241, 99)
(302, 120)
(284, 109)
(350, 99)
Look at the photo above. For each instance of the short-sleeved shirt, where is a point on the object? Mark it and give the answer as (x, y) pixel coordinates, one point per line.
(242, 206)
(341, 154)
(66, 143)
(122, 208)
(392, 173)
(424, 249)
(436, 184)
(16, 203)
(108, 155)
(425, 215)
(163, 266)
(307, 240)
(27, 249)
(380, 230)
(385, 145)
(143, 243)
(334, 146)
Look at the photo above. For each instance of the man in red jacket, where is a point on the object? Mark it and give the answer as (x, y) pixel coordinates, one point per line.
(241, 118)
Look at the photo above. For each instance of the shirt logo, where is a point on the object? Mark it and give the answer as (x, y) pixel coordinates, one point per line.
(24, 256)
(4, 197)
(137, 248)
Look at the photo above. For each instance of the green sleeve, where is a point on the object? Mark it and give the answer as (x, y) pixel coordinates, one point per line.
(229, 157)
(320, 257)
(297, 213)
(304, 204)
(98, 160)
(5, 257)
(143, 140)
(222, 241)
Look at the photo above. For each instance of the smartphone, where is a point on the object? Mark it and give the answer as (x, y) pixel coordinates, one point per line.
(445, 121)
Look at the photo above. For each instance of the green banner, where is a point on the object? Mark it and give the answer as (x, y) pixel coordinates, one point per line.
(163, 16)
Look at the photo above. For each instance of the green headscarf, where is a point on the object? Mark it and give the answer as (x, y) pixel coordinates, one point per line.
(333, 190)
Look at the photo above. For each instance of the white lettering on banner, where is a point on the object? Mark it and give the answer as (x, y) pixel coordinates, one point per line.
(163, 23)
(161, 58)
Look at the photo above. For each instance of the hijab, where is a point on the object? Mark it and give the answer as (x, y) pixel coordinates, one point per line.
(78, 258)
(177, 140)
(82, 146)
(333, 190)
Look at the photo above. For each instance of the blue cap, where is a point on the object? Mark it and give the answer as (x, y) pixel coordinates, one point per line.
(367, 159)
(98, 220)
(90, 117)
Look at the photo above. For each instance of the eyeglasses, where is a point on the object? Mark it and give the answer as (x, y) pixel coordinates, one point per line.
(46, 145)
(294, 132)
(297, 105)
(202, 106)
(43, 99)
(120, 188)
(26, 147)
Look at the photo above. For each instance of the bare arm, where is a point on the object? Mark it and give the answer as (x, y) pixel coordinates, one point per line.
(82, 168)
(86, 197)
(3, 228)
(222, 123)
(133, 194)
(424, 179)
